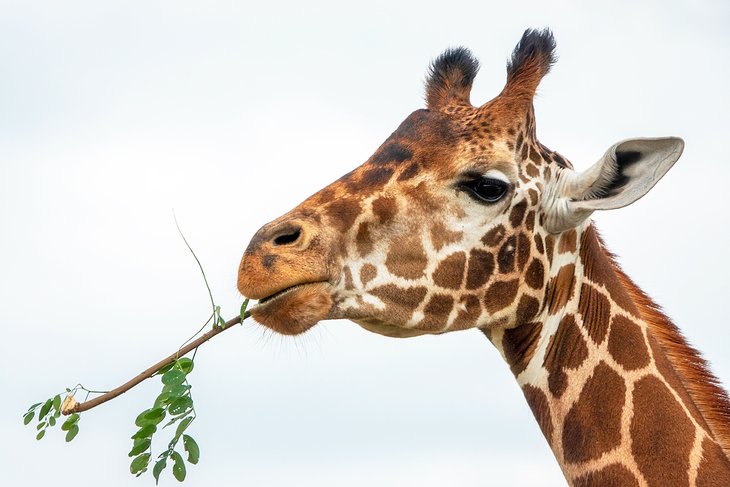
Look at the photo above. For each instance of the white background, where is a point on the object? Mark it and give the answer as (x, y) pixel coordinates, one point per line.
(232, 113)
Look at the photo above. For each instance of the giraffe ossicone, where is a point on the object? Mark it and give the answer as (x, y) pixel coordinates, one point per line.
(463, 219)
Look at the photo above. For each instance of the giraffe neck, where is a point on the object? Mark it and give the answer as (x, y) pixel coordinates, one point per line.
(613, 406)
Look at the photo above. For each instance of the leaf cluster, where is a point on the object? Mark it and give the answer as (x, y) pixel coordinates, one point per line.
(174, 403)
(48, 415)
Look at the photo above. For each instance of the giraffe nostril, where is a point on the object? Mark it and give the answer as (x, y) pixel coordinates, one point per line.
(287, 237)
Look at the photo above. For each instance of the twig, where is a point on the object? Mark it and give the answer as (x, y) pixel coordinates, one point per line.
(85, 406)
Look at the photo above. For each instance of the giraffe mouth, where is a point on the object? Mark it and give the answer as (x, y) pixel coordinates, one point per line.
(287, 290)
(295, 309)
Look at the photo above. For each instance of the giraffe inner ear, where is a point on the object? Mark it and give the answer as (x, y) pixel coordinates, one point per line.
(626, 172)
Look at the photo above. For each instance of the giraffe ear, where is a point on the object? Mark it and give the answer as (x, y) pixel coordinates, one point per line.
(626, 172)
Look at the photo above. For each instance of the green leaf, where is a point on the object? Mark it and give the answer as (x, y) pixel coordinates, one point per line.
(155, 416)
(162, 400)
(70, 421)
(181, 405)
(150, 416)
(41, 425)
(139, 446)
(173, 377)
(34, 406)
(57, 403)
(166, 368)
(178, 469)
(72, 432)
(28, 417)
(139, 464)
(52, 421)
(185, 364)
(158, 468)
(176, 390)
(46, 407)
(40, 434)
(139, 420)
(243, 309)
(221, 322)
(182, 427)
(192, 448)
(145, 431)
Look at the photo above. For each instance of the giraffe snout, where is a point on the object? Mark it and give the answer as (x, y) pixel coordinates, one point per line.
(282, 254)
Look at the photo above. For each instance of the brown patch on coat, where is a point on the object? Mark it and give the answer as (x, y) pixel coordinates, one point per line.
(566, 350)
(527, 309)
(614, 475)
(406, 258)
(450, 271)
(517, 214)
(391, 294)
(494, 236)
(595, 311)
(363, 240)
(549, 246)
(441, 236)
(523, 250)
(519, 344)
(506, 256)
(533, 196)
(411, 170)
(535, 274)
(349, 284)
(714, 470)
(661, 434)
(593, 424)
(530, 221)
(538, 403)
(481, 266)
(567, 241)
(532, 171)
(538, 243)
(626, 344)
(368, 273)
(342, 213)
(669, 374)
(469, 310)
(385, 208)
(500, 295)
(436, 313)
(560, 289)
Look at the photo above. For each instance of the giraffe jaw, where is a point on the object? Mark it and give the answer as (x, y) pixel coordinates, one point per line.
(382, 328)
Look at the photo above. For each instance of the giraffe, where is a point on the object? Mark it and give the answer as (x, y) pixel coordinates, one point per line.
(462, 219)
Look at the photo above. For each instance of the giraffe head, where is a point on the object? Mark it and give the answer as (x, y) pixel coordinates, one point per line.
(452, 222)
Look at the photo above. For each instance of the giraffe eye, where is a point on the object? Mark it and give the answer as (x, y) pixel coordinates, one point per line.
(485, 189)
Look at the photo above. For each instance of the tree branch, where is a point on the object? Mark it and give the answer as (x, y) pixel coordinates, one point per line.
(75, 407)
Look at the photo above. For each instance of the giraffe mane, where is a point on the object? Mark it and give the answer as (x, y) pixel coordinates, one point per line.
(693, 370)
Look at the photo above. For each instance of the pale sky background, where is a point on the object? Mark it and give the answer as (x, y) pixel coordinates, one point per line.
(114, 113)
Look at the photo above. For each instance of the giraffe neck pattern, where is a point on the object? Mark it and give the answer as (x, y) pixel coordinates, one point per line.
(609, 401)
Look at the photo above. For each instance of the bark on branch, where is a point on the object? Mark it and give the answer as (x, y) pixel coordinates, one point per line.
(152, 370)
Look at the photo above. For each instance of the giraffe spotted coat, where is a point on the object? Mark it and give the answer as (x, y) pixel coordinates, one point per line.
(463, 219)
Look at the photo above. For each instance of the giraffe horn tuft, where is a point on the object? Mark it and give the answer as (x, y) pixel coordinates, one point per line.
(531, 60)
(450, 78)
